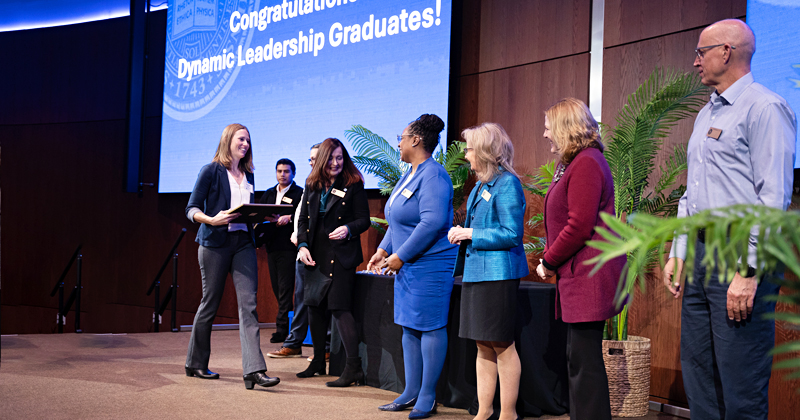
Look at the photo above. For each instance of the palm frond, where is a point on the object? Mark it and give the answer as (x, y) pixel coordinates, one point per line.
(644, 121)
(379, 224)
(535, 220)
(367, 143)
(374, 155)
(453, 158)
(535, 245)
(728, 234)
(539, 184)
(388, 174)
(541, 180)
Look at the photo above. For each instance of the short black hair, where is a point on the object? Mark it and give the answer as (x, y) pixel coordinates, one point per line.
(285, 161)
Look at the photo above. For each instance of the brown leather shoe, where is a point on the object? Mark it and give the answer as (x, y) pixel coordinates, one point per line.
(327, 357)
(286, 352)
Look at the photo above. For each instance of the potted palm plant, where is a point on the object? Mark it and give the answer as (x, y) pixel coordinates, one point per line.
(632, 145)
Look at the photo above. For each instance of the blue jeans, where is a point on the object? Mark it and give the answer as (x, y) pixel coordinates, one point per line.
(725, 364)
(299, 327)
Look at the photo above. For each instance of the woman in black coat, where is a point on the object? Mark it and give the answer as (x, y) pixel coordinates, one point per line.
(332, 217)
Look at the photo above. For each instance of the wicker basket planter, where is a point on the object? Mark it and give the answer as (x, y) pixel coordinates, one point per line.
(628, 368)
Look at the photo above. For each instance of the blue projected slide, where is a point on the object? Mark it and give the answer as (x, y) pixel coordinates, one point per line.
(776, 63)
(296, 72)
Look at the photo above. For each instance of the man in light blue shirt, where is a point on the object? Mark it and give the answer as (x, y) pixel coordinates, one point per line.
(742, 150)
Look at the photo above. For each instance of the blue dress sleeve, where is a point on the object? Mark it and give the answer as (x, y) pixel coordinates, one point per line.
(435, 197)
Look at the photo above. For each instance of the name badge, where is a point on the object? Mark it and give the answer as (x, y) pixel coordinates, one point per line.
(338, 193)
(286, 200)
(714, 133)
(407, 193)
(249, 187)
(486, 195)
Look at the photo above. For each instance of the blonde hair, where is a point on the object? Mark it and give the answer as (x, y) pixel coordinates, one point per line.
(492, 150)
(573, 128)
(223, 155)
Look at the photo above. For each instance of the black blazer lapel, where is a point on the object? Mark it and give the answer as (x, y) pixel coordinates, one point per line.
(225, 185)
(269, 196)
(333, 198)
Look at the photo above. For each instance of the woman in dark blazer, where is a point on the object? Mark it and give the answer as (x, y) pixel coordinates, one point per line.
(225, 248)
(492, 260)
(332, 217)
(582, 188)
(420, 212)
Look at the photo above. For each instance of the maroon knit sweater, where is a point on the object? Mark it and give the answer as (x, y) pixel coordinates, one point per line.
(572, 210)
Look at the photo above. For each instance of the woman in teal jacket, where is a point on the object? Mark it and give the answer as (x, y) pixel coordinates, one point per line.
(491, 260)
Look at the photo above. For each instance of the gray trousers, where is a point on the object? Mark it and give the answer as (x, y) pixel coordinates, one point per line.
(238, 257)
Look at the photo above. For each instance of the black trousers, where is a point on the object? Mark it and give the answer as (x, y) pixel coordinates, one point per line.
(588, 382)
(281, 275)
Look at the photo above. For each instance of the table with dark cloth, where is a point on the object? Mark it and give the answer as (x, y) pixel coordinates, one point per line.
(540, 341)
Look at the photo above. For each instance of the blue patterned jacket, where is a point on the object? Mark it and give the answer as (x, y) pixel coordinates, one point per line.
(495, 212)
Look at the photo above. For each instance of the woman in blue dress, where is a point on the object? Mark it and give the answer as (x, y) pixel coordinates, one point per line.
(420, 213)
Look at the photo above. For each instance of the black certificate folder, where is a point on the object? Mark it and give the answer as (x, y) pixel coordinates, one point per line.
(255, 213)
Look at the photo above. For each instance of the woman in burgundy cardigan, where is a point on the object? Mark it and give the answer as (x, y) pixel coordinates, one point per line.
(582, 188)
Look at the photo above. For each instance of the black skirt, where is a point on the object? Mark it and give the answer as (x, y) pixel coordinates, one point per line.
(329, 284)
(489, 310)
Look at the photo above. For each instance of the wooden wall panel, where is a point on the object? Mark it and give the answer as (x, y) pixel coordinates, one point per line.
(468, 36)
(783, 401)
(517, 97)
(631, 21)
(519, 32)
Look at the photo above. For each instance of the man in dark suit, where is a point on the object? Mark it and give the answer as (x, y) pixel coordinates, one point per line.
(281, 253)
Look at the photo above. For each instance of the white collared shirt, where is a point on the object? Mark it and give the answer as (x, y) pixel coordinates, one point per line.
(240, 194)
(280, 194)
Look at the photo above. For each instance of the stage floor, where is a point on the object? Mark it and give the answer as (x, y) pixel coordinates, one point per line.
(87, 376)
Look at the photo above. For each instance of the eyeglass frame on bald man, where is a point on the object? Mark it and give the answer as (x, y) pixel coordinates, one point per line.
(700, 54)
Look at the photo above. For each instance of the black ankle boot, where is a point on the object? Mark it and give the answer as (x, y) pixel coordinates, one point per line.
(317, 366)
(352, 373)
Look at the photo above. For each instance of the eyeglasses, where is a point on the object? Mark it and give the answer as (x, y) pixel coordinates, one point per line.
(700, 53)
(400, 137)
(467, 149)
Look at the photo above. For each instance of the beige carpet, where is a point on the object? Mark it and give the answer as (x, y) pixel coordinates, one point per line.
(141, 376)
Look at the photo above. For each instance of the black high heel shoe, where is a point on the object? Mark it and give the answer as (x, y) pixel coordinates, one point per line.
(352, 374)
(419, 414)
(314, 368)
(261, 379)
(201, 373)
(393, 406)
